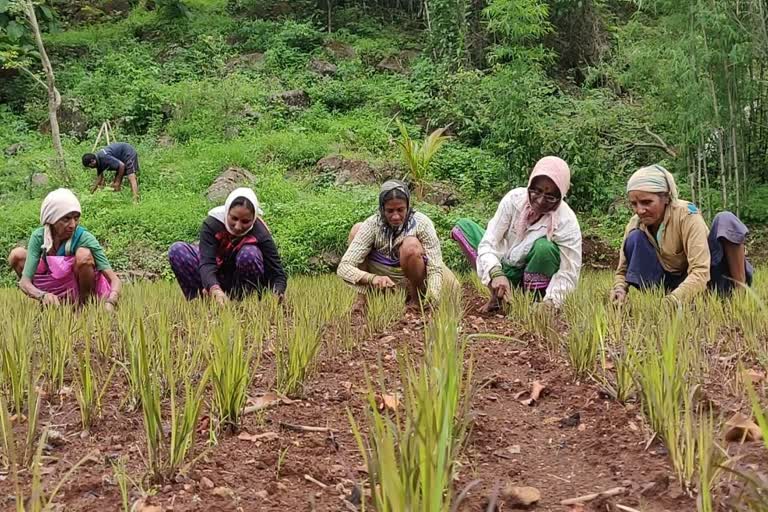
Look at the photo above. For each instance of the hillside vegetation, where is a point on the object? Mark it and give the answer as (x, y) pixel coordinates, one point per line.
(201, 89)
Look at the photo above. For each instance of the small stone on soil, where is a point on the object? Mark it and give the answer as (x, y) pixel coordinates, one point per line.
(521, 496)
(207, 482)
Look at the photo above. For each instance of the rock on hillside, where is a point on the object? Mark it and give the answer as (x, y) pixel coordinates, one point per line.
(228, 181)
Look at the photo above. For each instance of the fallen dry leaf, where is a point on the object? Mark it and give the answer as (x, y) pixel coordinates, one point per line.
(741, 428)
(265, 400)
(389, 402)
(508, 452)
(536, 389)
(752, 376)
(266, 436)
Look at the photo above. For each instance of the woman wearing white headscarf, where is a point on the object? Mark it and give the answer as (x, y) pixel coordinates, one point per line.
(667, 243)
(63, 261)
(236, 255)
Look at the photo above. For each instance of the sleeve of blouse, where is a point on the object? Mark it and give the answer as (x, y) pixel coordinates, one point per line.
(273, 266)
(434, 254)
(565, 279)
(620, 278)
(489, 249)
(358, 250)
(208, 265)
(694, 233)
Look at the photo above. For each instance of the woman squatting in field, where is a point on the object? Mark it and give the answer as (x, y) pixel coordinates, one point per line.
(667, 243)
(533, 240)
(63, 262)
(236, 255)
(397, 246)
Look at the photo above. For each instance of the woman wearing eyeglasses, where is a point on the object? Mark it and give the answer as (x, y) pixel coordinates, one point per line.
(667, 243)
(533, 241)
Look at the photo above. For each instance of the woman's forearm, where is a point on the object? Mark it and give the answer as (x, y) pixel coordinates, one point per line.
(26, 286)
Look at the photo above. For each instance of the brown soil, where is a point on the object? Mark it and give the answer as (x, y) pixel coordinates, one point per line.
(510, 442)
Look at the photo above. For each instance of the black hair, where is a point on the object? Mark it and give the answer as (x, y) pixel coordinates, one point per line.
(88, 158)
(243, 201)
(395, 193)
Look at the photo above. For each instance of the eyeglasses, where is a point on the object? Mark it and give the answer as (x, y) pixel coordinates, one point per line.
(534, 193)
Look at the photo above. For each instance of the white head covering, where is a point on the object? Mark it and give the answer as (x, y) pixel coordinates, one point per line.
(220, 212)
(56, 205)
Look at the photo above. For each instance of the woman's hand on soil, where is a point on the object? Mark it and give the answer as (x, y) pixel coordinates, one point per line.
(50, 299)
(618, 296)
(219, 296)
(382, 282)
(501, 288)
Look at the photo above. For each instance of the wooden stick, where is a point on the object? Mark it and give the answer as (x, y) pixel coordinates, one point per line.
(626, 508)
(589, 497)
(98, 138)
(309, 478)
(305, 428)
(255, 408)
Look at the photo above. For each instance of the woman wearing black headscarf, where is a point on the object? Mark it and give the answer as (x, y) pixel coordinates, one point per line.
(397, 246)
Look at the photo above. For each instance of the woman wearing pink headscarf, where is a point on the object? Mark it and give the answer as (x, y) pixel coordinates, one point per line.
(533, 241)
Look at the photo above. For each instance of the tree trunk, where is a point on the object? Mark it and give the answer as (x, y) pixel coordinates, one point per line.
(54, 98)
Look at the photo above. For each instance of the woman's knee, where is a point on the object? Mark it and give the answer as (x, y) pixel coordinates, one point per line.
(178, 253)
(250, 260)
(546, 248)
(633, 238)
(17, 256)
(84, 257)
(411, 249)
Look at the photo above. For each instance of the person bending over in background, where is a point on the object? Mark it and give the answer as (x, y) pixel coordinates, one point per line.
(236, 255)
(63, 261)
(120, 157)
(397, 246)
(666, 243)
(533, 240)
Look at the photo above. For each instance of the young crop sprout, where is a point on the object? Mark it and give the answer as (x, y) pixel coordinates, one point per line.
(411, 457)
(230, 364)
(383, 309)
(295, 352)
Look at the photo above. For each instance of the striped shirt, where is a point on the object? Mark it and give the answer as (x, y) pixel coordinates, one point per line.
(371, 237)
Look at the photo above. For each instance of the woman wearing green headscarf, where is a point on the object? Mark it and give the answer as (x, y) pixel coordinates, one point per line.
(667, 243)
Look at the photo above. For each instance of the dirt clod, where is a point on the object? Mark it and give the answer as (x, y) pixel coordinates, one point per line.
(521, 497)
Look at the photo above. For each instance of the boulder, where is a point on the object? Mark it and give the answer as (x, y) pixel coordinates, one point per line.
(165, 141)
(322, 67)
(327, 260)
(347, 171)
(228, 181)
(13, 149)
(253, 61)
(399, 63)
(441, 194)
(39, 180)
(294, 98)
(71, 122)
(341, 50)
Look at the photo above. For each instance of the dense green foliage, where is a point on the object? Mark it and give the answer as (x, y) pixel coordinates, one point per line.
(192, 85)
